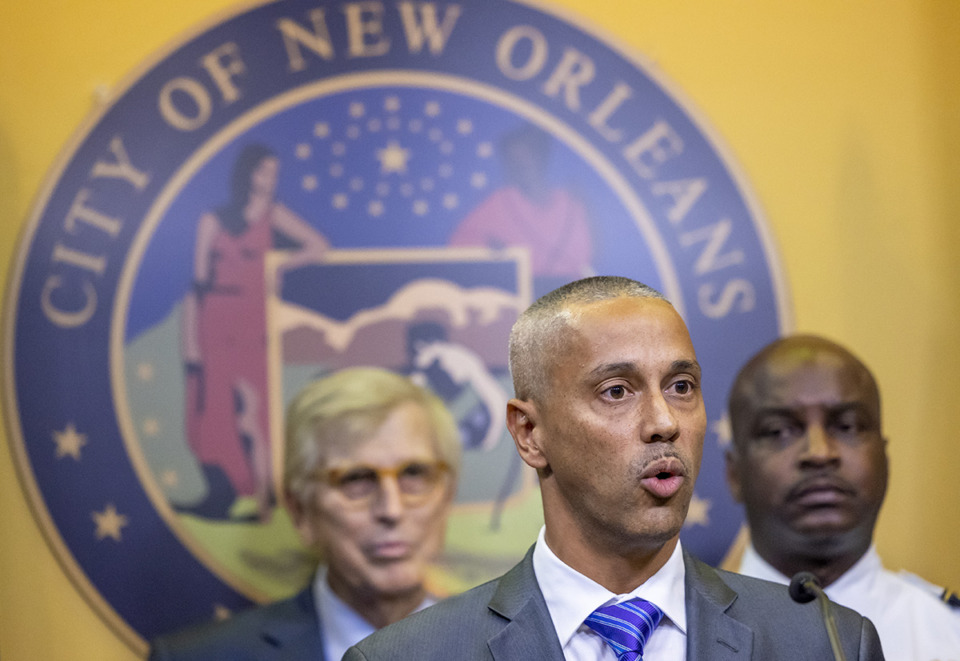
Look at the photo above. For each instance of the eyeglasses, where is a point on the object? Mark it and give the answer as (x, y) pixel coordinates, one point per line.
(416, 480)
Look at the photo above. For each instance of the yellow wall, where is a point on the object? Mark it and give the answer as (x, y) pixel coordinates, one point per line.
(845, 117)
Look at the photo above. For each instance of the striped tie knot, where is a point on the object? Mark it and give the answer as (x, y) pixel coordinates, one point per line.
(626, 626)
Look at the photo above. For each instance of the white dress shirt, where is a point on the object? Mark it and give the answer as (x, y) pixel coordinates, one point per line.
(571, 597)
(913, 624)
(341, 626)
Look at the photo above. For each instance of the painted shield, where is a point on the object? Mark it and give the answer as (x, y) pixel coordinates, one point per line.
(455, 161)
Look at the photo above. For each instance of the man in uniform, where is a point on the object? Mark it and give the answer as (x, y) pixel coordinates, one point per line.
(809, 463)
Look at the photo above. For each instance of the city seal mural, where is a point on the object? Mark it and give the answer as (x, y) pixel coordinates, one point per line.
(421, 172)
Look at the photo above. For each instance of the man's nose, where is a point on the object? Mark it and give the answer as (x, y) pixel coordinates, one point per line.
(819, 446)
(388, 504)
(659, 420)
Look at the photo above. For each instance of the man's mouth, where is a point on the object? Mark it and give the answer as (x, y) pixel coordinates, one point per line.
(663, 477)
(820, 492)
(388, 550)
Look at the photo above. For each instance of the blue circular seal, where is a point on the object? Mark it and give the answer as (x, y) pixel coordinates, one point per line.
(429, 170)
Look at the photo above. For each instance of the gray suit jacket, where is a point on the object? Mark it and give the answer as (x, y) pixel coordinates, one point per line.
(729, 618)
(281, 631)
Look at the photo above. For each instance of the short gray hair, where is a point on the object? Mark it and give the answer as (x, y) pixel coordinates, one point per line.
(536, 336)
(348, 405)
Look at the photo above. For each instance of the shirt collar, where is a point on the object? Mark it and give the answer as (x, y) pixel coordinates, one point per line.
(571, 596)
(858, 577)
(754, 565)
(341, 626)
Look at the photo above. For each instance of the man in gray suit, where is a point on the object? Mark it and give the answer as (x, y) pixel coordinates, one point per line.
(609, 411)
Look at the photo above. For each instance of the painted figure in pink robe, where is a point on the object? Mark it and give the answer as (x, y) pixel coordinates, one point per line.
(223, 334)
(529, 211)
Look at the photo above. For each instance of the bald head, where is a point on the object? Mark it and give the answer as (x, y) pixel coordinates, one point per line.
(787, 359)
(808, 459)
(536, 338)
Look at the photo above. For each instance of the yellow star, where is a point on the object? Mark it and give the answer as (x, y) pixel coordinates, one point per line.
(109, 522)
(145, 371)
(69, 442)
(170, 478)
(723, 430)
(151, 426)
(698, 514)
(393, 158)
(478, 179)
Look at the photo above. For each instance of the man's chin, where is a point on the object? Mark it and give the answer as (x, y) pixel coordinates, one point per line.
(822, 537)
(654, 533)
(823, 523)
(399, 585)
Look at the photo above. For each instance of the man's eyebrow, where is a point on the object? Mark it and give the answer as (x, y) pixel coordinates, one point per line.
(860, 408)
(627, 366)
(832, 409)
(846, 406)
(613, 368)
(779, 411)
(686, 366)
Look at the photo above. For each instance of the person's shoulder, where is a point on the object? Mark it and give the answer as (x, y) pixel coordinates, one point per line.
(926, 604)
(441, 628)
(757, 590)
(769, 605)
(950, 598)
(233, 639)
(208, 640)
(448, 610)
(779, 624)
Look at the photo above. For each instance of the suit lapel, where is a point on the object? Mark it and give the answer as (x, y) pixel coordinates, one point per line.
(711, 633)
(528, 632)
(294, 631)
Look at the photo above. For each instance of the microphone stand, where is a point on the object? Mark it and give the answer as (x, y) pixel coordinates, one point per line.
(804, 587)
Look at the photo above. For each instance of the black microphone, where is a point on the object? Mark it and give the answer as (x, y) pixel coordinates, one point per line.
(804, 588)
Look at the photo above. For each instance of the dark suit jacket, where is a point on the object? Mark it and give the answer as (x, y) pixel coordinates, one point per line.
(729, 618)
(284, 630)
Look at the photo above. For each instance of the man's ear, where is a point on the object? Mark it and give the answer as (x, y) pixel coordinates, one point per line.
(886, 464)
(523, 423)
(300, 516)
(734, 474)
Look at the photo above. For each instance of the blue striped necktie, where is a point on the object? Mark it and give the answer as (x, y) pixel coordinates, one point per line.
(626, 626)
